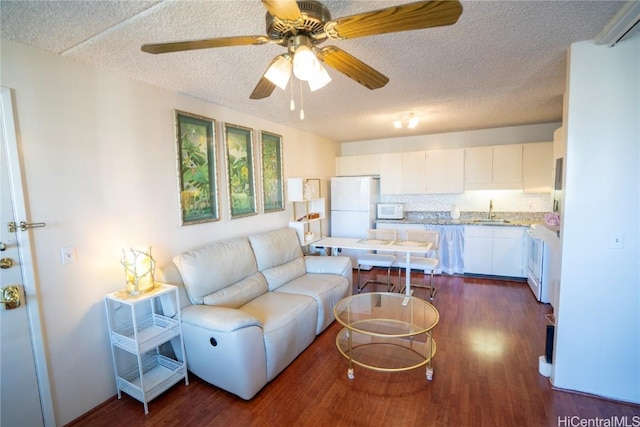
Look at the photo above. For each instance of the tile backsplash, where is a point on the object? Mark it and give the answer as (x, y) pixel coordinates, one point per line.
(478, 201)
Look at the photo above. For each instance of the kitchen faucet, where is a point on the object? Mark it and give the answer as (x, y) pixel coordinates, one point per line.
(490, 209)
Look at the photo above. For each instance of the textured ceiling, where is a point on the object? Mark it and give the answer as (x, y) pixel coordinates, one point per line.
(502, 64)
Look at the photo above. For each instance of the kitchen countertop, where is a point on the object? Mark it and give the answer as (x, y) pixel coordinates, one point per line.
(521, 223)
(516, 219)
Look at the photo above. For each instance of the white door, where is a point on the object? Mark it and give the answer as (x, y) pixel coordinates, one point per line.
(19, 393)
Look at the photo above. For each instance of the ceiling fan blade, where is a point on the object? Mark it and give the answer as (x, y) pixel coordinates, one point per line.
(265, 87)
(412, 16)
(352, 67)
(203, 44)
(284, 9)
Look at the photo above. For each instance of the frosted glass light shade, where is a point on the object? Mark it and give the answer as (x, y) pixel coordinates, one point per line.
(305, 63)
(319, 79)
(279, 72)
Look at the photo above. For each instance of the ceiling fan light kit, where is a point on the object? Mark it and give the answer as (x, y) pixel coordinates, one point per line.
(279, 72)
(300, 25)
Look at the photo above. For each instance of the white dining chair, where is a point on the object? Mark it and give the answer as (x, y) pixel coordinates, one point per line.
(427, 264)
(377, 259)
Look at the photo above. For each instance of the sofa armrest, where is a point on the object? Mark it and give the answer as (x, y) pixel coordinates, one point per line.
(340, 265)
(219, 319)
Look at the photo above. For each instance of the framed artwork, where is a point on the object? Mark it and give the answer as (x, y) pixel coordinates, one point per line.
(272, 175)
(197, 170)
(238, 143)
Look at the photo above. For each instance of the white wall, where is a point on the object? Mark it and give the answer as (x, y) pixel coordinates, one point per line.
(597, 347)
(472, 138)
(99, 162)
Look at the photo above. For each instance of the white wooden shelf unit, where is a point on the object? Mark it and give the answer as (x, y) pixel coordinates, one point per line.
(309, 208)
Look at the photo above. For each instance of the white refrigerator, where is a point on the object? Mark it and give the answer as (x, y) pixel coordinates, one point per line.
(353, 208)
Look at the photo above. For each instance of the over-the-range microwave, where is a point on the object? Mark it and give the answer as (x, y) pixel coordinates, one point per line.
(390, 211)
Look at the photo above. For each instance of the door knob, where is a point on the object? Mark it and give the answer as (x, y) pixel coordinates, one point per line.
(6, 263)
(10, 297)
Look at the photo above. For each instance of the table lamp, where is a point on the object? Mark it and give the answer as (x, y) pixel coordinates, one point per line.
(139, 267)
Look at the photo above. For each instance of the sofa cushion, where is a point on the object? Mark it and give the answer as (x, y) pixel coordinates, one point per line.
(288, 324)
(239, 293)
(326, 289)
(211, 268)
(278, 255)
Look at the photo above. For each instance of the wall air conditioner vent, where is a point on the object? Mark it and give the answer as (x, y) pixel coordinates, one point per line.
(623, 26)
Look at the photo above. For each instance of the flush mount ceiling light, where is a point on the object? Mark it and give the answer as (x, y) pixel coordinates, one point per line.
(408, 121)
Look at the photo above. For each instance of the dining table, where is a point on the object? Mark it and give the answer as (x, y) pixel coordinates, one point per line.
(402, 246)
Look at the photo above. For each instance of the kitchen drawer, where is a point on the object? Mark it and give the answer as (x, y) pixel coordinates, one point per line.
(478, 231)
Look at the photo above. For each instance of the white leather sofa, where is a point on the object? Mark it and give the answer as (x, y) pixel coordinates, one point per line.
(252, 305)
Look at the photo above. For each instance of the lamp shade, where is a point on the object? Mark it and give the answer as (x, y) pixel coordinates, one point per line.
(319, 79)
(139, 267)
(279, 72)
(305, 63)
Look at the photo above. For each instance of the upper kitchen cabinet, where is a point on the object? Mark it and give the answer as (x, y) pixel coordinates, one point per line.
(445, 171)
(496, 167)
(414, 172)
(403, 173)
(537, 167)
(367, 164)
(391, 173)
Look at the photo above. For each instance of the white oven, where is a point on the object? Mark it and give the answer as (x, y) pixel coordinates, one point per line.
(537, 274)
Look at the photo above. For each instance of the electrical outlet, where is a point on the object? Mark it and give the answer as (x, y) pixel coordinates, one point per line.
(616, 241)
(68, 254)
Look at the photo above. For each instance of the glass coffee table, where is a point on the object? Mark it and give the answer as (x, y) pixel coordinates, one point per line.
(386, 332)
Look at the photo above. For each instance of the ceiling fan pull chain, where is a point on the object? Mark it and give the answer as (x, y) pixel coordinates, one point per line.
(292, 105)
(301, 103)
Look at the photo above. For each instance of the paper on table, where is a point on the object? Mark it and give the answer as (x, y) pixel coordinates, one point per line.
(410, 243)
(375, 242)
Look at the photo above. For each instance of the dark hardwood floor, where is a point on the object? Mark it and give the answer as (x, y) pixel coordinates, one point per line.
(489, 338)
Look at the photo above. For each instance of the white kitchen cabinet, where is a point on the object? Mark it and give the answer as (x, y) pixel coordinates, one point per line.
(366, 164)
(537, 167)
(391, 173)
(369, 164)
(478, 167)
(507, 252)
(445, 171)
(347, 166)
(414, 176)
(507, 166)
(496, 251)
(403, 173)
(478, 243)
(495, 167)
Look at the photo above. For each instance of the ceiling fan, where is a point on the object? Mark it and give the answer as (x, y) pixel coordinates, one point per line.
(301, 25)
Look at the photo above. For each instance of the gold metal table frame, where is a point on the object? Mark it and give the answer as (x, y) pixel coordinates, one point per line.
(383, 334)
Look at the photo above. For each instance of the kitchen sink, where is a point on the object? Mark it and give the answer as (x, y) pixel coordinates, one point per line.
(491, 221)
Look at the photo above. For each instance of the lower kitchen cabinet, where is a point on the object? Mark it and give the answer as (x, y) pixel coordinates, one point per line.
(496, 251)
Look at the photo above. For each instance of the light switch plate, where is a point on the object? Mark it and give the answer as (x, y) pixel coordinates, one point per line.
(616, 241)
(68, 254)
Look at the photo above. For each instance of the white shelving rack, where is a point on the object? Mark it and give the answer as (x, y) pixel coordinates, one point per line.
(137, 331)
(309, 208)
